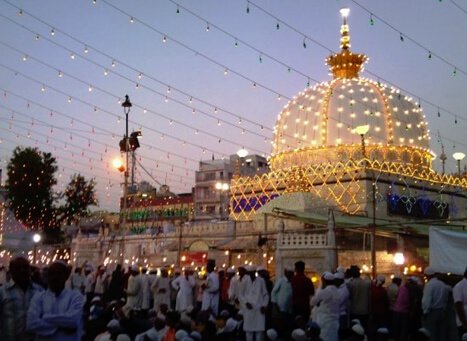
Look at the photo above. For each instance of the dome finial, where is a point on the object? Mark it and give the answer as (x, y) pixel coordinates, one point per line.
(345, 37)
(345, 65)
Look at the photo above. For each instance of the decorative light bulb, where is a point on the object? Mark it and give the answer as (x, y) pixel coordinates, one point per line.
(344, 12)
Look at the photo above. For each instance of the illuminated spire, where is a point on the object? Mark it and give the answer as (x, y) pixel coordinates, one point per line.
(345, 37)
(345, 64)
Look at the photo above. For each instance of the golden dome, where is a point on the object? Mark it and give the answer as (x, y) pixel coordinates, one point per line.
(325, 116)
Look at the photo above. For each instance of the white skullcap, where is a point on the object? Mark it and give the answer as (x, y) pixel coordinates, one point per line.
(341, 269)
(339, 275)
(230, 271)
(96, 299)
(380, 279)
(272, 334)
(180, 335)
(134, 267)
(113, 324)
(230, 325)
(429, 271)
(298, 335)
(384, 331)
(358, 329)
(189, 309)
(260, 268)
(123, 337)
(328, 276)
(464, 337)
(160, 316)
(185, 319)
(196, 335)
(250, 268)
(355, 321)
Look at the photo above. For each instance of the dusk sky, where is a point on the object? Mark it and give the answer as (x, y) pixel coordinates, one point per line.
(205, 77)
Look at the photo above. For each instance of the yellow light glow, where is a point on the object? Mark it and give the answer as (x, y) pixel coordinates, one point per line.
(117, 163)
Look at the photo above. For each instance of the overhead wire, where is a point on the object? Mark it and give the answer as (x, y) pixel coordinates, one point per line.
(213, 26)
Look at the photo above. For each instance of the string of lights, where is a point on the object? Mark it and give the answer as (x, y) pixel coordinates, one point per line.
(93, 127)
(316, 42)
(108, 93)
(140, 74)
(84, 82)
(139, 85)
(70, 98)
(405, 37)
(198, 53)
(315, 80)
(347, 123)
(92, 161)
(85, 138)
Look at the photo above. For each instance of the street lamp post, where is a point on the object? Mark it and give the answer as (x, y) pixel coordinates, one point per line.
(36, 238)
(126, 109)
(362, 130)
(458, 156)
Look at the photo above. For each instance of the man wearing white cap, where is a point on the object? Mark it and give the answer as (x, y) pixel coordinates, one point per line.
(327, 312)
(241, 287)
(184, 284)
(133, 291)
(343, 296)
(145, 289)
(434, 305)
(211, 289)
(255, 301)
(161, 289)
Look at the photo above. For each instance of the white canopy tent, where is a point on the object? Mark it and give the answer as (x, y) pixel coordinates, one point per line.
(448, 251)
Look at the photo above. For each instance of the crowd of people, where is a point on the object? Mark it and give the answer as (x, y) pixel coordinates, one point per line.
(87, 304)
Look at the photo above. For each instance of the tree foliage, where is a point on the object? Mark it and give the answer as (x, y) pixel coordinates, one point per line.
(30, 187)
(79, 195)
(31, 177)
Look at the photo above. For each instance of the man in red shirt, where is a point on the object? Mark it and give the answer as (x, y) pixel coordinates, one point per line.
(302, 290)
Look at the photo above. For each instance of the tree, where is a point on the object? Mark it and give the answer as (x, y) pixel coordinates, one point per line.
(79, 195)
(31, 177)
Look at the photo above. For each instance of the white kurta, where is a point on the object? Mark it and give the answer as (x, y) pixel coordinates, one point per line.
(327, 312)
(145, 291)
(185, 292)
(211, 294)
(133, 293)
(56, 318)
(257, 295)
(242, 285)
(161, 292)
(233, 289)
